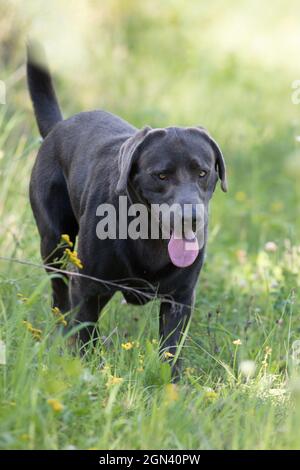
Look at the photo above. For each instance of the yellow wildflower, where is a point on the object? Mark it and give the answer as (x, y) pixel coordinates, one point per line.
(210, 395)
(268, 352)
(106, 369)
(73, 258)
(127, 346)
(34, 331)
(22, 298)
(76, 260)
(141, 360)
(237, 342)
(60, 317)
(240, 196)
(55, 404)
(66, 238)
(167, 354)
(189, 371)
(171, 393)
(113, 380)
(276, 206)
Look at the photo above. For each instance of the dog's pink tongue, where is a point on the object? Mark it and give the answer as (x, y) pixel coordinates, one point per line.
(183, 251)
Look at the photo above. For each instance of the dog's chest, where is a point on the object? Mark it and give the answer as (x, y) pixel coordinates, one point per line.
(149, 258)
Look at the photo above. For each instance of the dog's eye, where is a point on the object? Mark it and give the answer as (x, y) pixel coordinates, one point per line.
(162, 176)
(202, 173)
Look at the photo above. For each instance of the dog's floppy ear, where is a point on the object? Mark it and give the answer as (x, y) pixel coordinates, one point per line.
(220, 162)
(126, 157)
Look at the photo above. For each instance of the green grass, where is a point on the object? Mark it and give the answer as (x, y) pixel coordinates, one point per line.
(245, 291)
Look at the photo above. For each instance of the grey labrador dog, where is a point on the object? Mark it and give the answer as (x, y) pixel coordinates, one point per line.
(94, 157)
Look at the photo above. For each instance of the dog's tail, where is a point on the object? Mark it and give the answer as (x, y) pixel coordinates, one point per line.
(45, 104)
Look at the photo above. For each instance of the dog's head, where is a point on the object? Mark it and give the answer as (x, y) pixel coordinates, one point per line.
(170, 166)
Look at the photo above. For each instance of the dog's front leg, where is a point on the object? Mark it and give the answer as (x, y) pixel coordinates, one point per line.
(86, 307)
(173, 320)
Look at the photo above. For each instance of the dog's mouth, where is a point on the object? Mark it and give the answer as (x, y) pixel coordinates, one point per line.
(183, 250)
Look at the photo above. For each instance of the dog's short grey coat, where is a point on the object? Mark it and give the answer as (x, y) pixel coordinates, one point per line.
(92, 158)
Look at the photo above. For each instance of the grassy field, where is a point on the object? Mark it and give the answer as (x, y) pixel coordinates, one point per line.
(227, 69)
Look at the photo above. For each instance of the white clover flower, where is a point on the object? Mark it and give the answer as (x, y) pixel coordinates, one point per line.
(247, 368)
(271, 247)
(2, 353)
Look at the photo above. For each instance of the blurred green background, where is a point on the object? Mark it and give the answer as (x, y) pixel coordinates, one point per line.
(228, 66)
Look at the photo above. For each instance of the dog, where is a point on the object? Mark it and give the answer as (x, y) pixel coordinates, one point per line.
(94, 158)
